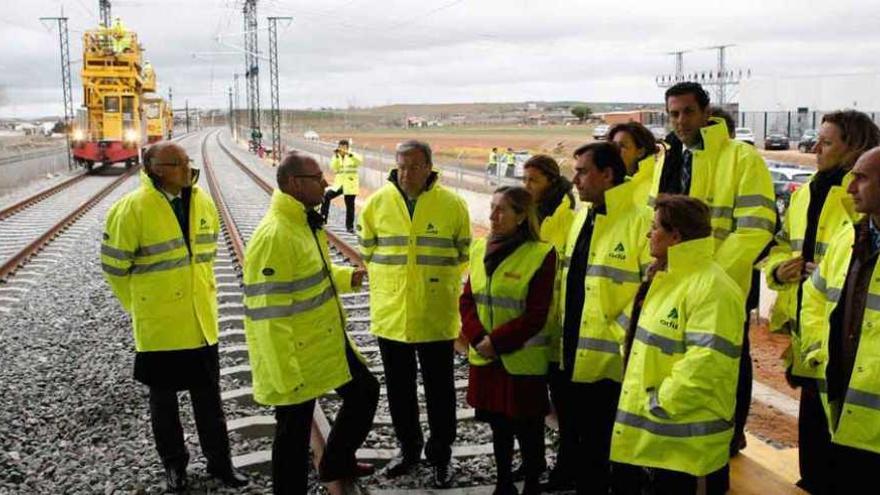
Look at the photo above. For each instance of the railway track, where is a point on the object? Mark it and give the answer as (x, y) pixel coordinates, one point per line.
(231, 179)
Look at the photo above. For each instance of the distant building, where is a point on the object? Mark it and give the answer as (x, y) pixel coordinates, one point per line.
(810, 93)
(646, 117)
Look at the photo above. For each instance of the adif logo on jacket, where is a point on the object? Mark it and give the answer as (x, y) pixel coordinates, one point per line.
(671, 320)
(619, 252)
(203, 224)
(431, 229)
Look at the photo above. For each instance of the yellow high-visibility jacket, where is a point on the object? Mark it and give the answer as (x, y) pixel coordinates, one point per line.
(502, 297)
(619, 258)
(167, 287)
(678, 395)
(415, 264)
(837, 212)
(854, 421)
(643, 179)
(294, 321)
(733, 180)
(554, 230)
(346, 172)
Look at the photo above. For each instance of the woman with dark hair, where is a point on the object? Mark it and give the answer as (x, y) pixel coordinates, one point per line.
(640, 152)
(681, 354)
(552, 193)
(504, 309)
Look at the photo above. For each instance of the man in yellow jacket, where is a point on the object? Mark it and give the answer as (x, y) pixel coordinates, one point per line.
(345, 166)
(158, 256)
(681, 353)
(295, 327)
(732, 179)
(415, 236)
(839, 339)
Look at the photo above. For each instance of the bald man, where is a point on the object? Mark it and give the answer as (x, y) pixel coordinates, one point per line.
(840, 320)
(158, 257)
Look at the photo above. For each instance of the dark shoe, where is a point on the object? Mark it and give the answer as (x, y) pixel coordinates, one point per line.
(230, 478)
(442, 475)
(400, 465)
(737, 445)
(175, 480)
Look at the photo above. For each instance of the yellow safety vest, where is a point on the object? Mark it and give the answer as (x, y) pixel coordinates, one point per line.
(502, 296)
(619, 257)
(837, 211)
(168, 289)
(678, 395)
(294, 322)
(733, 180)
(554, 230)
(346, 173)
(415, 264)
(643, 178)
(855, 421)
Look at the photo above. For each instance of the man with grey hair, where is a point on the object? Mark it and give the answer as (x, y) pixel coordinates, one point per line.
(158, 257)
(415, 236)
(295, 328)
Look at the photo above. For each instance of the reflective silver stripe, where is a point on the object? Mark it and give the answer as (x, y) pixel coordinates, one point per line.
(590, 344)
(424, 259)
(862, 398)
(873, 302)
(161, 266)
(615, 274)
(812, 347)
(782, 237)
(537, 340)
(388, 259)
(755, 200)
(463, 243)
(267, 312)
(443, 242)
(206, 238)
(203, 257)
(566, 262)
(823, 385)
(500, 302)
(696, 429)
(797, 244)
(401, 240)
(665, 344)
(160, 247)
(719, 233)
(654, 404)
(264, 288)
(652, 201)
(756, 223)
(623, 320)
(819, 283)
(721, 211)
(367, 242)
(711, 341)
(112, 270)
(118, 254)
(821, 248)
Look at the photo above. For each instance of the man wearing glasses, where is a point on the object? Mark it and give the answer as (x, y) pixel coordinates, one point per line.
(295, 328)
(158, 255)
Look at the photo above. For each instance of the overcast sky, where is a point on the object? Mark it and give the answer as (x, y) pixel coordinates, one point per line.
(341, 53)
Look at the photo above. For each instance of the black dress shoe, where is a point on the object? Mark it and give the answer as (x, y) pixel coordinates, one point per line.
(230, 478)
(400, 465)
(175, 480)
(442, 475)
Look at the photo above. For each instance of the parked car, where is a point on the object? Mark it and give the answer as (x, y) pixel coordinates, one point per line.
(600, 132)
(658, 131)
(808, 140)
(776, 141)
(787, 178)
(744, 134)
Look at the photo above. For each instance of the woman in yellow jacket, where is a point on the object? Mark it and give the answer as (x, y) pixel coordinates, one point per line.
(681, 355)
(640, 152)
(551, 192)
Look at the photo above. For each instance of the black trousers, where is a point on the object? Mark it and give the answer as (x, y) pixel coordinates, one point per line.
(743, 391)
(349, 206)
(853, 470)
(436, 362)
(290, 449)
(529, 432)
(210, 424)
(638, 480)
(594, 405)
(561, 397)
(814, 440)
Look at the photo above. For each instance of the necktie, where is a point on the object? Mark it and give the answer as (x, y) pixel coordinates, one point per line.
(686, 172)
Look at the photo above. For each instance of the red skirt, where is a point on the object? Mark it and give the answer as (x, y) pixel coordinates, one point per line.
(492, 389)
